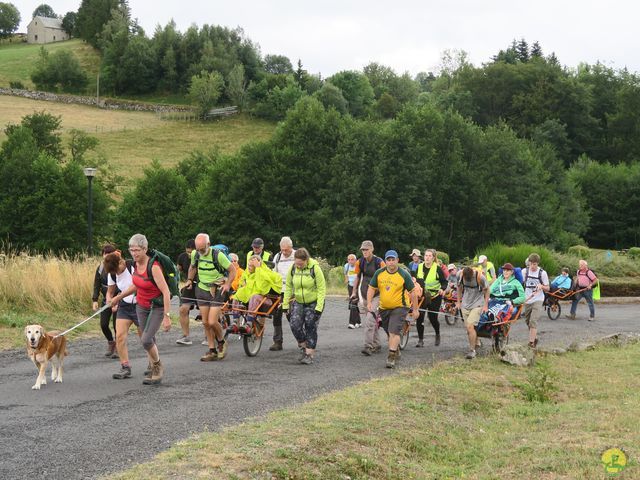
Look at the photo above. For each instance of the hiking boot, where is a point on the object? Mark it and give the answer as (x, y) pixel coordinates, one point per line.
(533, 344)
(391, 359)
(377, 349)
(437, 340)
(157, 371)
(571, 316)
(303, 354)
(592, 319)
(209, 356)
(125, 372)
(351, 326)
(420, 344)
(367, 351)
(470, 355)
(184, 340)
(222, 350)
(276, 347)
(111, 350)
(306, 360)
(147, 372)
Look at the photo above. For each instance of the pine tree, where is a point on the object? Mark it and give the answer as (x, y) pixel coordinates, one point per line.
(522, 50)
(536, 50)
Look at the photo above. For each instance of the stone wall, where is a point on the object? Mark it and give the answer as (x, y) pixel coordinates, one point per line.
(108, 103)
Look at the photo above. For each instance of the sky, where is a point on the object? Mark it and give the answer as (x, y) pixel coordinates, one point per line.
(332, 35)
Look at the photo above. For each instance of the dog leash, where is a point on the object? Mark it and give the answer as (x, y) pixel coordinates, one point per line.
(98, 312)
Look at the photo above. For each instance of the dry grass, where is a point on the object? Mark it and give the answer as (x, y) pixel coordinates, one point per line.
(457, 420)
(131, 140)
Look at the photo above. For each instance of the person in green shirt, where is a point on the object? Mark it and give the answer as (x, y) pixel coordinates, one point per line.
(212, 291)
(303, 302)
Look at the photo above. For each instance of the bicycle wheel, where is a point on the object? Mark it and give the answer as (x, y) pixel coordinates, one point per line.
(404, 336)
(554, 310)
(252, 343)
(450, 318)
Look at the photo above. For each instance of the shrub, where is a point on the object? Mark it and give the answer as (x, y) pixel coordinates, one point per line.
(540, 384)
(443, 257)
(579, 251)
(59, 71)
(634, 253)
(16, 85)
(500, 254)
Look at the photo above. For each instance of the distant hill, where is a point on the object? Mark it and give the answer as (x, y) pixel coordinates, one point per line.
(17, 60)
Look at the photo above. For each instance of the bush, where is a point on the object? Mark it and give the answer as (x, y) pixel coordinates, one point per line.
(59, 71)
(16, 85)
(540, 385)
(443, 257)
(579, 251)
(634, 253)
(500, 254)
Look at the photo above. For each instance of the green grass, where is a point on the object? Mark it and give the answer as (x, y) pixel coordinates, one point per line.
(131, 140)
(18, 60)
(459, 419)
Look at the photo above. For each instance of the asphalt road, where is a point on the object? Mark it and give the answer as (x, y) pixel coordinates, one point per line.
(91, 425)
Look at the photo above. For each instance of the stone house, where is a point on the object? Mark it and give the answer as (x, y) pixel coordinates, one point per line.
(46, 30)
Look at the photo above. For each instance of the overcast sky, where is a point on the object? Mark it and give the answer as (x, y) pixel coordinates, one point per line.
(333, 35)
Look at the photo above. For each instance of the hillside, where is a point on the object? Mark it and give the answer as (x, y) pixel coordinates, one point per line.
(131, 140)
(17, 60)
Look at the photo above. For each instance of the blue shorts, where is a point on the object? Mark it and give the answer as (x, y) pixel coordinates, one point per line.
(127, 311)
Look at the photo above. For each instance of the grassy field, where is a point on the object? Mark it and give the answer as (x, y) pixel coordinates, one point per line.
(459, 419)
(18, 60)
(131, 140)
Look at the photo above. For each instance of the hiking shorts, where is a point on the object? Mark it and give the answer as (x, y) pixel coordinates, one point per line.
(188, 296)
(127, 311)
(205, 299)
(472, 316)
(393, 320)
(531, 313)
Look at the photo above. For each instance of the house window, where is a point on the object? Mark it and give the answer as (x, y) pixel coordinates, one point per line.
(54, 38)
(36, 38)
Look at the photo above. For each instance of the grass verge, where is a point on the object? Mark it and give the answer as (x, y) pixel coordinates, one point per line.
(456, 420)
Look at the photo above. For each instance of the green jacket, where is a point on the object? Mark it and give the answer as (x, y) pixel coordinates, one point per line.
(511, 290)
(260, 282)
(304, 286)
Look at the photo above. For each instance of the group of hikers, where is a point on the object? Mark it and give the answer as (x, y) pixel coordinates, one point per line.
(382, 293)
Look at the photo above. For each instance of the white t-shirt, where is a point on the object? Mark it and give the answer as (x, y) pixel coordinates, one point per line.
(531, 282)
(283, 265)
(123, 281)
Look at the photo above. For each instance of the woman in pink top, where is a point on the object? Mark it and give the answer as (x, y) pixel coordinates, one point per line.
(585, 279)
(150, 292)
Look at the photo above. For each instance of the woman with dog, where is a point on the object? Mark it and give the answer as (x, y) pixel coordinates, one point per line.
(120, 277)
(106, 316)
(153, 303)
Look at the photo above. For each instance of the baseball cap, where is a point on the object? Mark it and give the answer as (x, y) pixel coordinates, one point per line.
(507, 266)
(391, 254)
(257, 242)
(367, 244)
(415, 251)
(482, 258)
(451, 266)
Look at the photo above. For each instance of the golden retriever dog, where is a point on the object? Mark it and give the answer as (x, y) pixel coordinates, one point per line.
(42, 347)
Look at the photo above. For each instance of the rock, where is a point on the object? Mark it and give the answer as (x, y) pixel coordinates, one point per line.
(619, 339)
(581, 346)
(518, 355)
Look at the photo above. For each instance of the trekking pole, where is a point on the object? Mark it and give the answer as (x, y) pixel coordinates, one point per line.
(98, 312)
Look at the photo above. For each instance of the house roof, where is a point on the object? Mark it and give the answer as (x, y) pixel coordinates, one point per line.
(49, 22)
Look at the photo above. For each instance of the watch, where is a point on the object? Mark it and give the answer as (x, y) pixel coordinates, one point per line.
(168, 314)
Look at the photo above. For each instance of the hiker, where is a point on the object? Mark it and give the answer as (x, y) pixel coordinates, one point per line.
(585, 280)
(507, 288)
(451, 292)
(239, 271)
(120, 277)
(415, 261)
(562, 283)
(366, 266)
(153, 303)
(349, 271)
(100, 286)
(487, 268)
(397, 293)
(536, 283)
(212, 291)
(433, 280)
(472, 300)
(257, 248)
(187, 295)
(282, 262)
(304, 302)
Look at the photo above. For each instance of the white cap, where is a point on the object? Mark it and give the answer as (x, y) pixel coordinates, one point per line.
(482, 258)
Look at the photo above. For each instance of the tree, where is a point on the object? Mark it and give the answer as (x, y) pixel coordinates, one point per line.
(59, 71)
(93, 15)
(9, 19)
(331, 97)
(277, 64)
(356, 89)
(137, 73)
(80, 143)
(536, 50)
(205, 90)
(69, 23)
(237, 86)
(522, 50)
(45, 132)
(387, 106)
(44, 10)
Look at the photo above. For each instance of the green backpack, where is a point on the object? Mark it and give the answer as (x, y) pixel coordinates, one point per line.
(169, 271)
